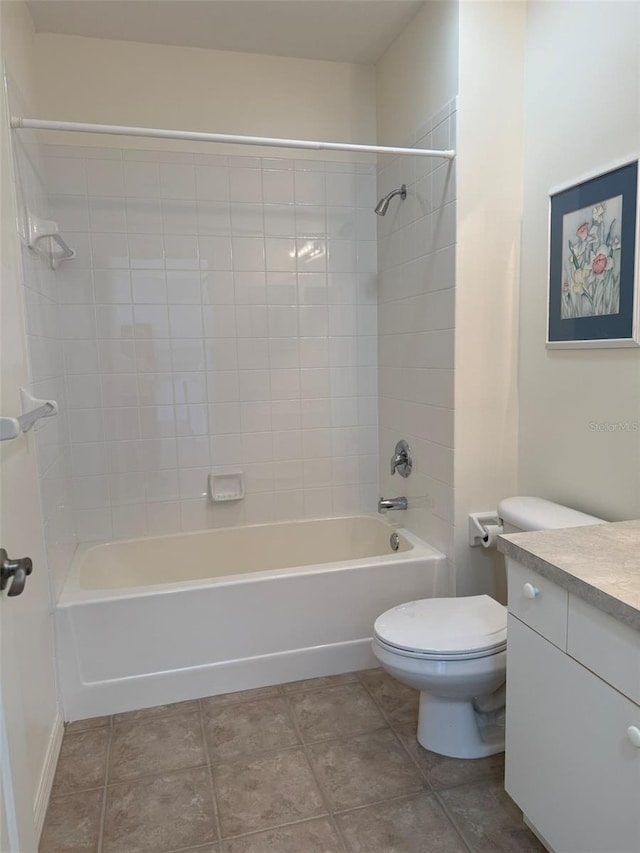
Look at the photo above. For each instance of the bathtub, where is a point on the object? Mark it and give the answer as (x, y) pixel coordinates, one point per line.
(149, 621)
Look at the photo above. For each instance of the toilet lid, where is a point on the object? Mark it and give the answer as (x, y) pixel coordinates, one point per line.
(444, 626)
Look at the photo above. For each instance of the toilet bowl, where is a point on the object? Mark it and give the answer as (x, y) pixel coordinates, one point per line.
(453, 650)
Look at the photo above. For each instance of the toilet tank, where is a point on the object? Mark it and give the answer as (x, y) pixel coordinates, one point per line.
(525, 513)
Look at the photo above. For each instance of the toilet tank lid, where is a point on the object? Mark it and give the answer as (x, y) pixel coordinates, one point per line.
(528, 513)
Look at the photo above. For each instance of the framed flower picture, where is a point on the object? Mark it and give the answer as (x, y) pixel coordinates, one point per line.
(593, 242)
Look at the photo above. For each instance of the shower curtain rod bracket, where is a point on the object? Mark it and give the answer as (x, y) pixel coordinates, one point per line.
(233, 139)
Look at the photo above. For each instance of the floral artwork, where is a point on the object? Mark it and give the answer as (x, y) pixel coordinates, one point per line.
(591, 260)
(592, 298)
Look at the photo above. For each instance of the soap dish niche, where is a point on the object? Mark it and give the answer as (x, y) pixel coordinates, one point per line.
(226, 487)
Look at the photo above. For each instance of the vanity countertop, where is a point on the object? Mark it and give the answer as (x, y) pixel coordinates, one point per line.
(599, 563)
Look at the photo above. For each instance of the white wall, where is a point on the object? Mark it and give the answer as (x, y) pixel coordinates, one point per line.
(31, 645)
(114, 82)
(418, 73)
(579, 117)
(417, 82)
(489, 173)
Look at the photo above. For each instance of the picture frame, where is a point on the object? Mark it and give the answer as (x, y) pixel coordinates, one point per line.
(592, 297)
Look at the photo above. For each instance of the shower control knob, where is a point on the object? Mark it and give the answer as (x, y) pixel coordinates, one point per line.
(633, 733)
(530, 591)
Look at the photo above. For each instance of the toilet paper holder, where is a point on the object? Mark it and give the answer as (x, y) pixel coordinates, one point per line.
(484, 527)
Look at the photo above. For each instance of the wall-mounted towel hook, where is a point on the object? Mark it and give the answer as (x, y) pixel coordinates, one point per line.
(33, 410)
(41, 229)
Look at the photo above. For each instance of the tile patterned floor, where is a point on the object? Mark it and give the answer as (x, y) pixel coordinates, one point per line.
(328, 765)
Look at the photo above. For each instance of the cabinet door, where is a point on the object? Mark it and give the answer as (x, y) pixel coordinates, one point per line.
(570, 765)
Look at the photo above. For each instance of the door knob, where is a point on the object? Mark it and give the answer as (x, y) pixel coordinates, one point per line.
(15, 571)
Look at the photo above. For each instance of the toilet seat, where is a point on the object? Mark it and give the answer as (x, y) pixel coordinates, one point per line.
(444, 628)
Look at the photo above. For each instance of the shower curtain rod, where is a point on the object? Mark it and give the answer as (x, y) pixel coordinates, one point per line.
(196, 136)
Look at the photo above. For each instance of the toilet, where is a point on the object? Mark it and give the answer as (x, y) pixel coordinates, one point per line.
(454, 650)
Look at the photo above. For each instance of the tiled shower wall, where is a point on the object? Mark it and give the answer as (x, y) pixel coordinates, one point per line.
(51, 435)
(417, 318)
(221, 314)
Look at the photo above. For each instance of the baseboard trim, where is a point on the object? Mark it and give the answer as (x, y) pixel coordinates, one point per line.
(48, 772)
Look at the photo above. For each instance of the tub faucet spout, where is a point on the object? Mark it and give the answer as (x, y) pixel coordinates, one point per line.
(385, 504)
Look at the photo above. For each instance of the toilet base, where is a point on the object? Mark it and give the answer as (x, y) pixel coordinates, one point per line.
(454, 728)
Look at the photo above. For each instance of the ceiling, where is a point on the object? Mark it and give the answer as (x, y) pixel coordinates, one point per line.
(336, 30)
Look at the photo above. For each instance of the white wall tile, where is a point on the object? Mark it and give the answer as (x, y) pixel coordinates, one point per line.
(309, 188)
(177, 181)
(151, 321)
(65, 175)
(248, 253)
(143, 216)
(112, 287)
(179, 217)
(246, 219)
(215, 253)
(104, 178)
(186, 321)
(212, 183)
(192, 419)
(146, 251)
(245, 185)
(141, 180)
(277, 186)
(200, 298)
(107, 215)
(149, 287)
(279, 220)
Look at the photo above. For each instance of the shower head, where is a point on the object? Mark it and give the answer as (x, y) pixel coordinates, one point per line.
(383, 205)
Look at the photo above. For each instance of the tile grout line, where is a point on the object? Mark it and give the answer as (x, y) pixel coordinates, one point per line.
(103, 812)
(397, 799)
(453, 822)
(323, 793)
(210, 774)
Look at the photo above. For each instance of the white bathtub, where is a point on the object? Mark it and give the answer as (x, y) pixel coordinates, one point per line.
(149, 621)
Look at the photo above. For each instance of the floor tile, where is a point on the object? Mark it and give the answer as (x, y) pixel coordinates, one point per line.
(72, 823)
(365, 769)
(83, 761)
(167, 812)
(267, 792)
(335, 712)
(489, 819)
(315, 683)
(157, 711)
(239, 696)
(444, 772)
(313, 836)
(399, 702)
(414, 825)
(150, 747)
(248, 728)
(85, 725)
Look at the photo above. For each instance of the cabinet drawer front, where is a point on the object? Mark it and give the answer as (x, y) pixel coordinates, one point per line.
(546, 612)
(607, 647)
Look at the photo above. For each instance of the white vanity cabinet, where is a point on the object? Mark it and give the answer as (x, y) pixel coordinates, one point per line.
(573, 719)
